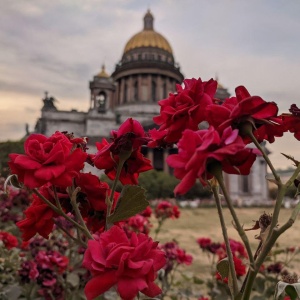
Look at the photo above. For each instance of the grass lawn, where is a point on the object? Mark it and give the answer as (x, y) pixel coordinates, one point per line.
(203, 222)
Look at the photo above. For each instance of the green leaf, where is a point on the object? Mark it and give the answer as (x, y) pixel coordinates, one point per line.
(223, 268)
(290, 291)
(132, 201)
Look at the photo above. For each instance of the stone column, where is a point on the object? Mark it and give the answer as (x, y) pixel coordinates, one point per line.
(150, 156)
(139, 79)
(166, 166)
(121, 94)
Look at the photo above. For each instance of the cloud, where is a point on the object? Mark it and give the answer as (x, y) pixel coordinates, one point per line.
(59, 46)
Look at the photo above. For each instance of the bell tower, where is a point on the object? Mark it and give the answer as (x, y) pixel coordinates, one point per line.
(102, 90)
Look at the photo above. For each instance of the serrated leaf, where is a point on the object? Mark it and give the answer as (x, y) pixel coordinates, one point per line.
(132, 201)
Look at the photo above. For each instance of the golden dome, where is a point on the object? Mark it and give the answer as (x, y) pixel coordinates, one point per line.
(103, 73)
(148, 37)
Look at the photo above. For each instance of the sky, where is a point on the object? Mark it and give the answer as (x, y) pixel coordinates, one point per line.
(58, 46)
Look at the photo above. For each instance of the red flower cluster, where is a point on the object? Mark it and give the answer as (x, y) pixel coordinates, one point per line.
(225, 140)
(166, 209)
(47, 160)
(129, 263)
(175, 256)
(218, 249)
(9, 240)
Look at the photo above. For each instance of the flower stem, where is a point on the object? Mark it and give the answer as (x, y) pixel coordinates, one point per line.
(219, 177)
(57, 210)
(265, 156)
(226, 240)
(78, 214)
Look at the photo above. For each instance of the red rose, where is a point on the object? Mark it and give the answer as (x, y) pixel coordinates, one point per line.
(204, 242)
(235, 111)
(47, 160)
(94, 189)
(131, 133)
(165, 209)
(198, 149)
(39, 217)
(9, 240)
(129, 263)
(292, 121)
(134, 165)
(240, 269)
(185, 109)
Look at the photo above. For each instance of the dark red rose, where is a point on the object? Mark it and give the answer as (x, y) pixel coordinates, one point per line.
(94, 189)
(292, 121)
(165, 209)
(186, 108)
(39, 217)
(9, 240)
(204, 242)
(46, 160)
(130, 264)
(133, 166)
(197, 149)
(130, 136)
(236, 111)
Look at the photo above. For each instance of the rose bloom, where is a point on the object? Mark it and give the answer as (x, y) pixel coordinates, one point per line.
(95, 190)
(204, 242)
(9, 240)
(39, 217)
(165, 209)
(235, 111)
(197, 149)
(131, 133)
(185, 109)
(292, 121)
(47, 159)
(130, 264)
(133, 166)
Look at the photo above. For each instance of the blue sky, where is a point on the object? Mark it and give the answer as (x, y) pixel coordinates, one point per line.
(59, 45)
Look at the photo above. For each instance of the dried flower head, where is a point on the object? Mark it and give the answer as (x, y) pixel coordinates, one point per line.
(290, 278)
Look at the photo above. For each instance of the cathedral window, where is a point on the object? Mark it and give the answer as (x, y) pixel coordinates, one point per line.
(101, 102)
(153, 91)
(125, 93)
(136, 91)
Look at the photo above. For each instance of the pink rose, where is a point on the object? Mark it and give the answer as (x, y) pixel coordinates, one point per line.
(47, 160)
(129, 263)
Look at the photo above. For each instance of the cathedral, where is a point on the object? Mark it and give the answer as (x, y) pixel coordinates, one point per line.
(146, 73)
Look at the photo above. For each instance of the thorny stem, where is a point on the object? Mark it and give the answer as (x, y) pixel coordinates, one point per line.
(226, 240)
(78, 214)
(70, 235)
(265, 156)
(218, 175)
(110, 200)
(57, 210)
(273, 236)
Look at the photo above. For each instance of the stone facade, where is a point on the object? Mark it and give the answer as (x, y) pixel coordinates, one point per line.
(146, 73)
